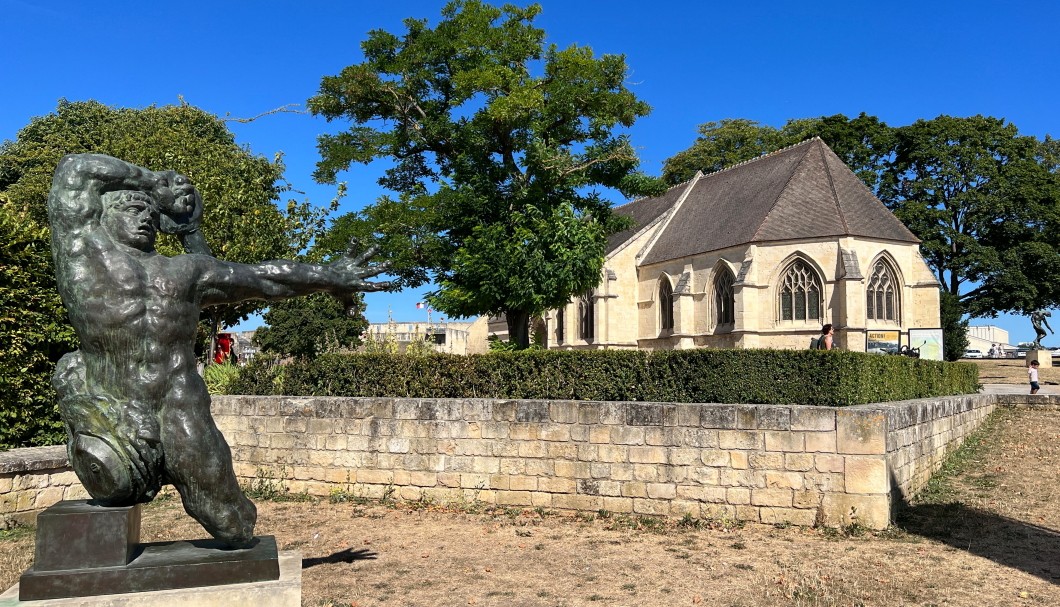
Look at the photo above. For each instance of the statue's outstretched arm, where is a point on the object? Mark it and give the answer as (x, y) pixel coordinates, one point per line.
(226, 282)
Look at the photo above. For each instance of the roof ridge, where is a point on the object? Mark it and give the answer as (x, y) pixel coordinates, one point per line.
(763, 156)
(676, 185)
(787, 182)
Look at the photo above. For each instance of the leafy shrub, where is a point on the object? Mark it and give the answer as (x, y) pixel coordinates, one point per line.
(829, 378)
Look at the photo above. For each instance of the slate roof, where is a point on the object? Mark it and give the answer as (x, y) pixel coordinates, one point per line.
(800, 192)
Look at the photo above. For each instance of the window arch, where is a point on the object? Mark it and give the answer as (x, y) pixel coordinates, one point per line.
(724, 297)
(800, 293)
(881, 294)
(586, 316)
(666, 305)
(559, 324)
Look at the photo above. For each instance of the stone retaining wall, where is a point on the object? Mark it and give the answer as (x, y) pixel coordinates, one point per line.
(764, 463)
(33, 479)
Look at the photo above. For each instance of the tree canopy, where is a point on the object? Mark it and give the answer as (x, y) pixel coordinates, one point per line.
(498, 143)
(308, 326)
(242, 223)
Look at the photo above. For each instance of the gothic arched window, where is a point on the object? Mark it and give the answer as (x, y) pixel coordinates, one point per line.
(559, 325)
(800, 293)
(586, 316)
(724, 299)
(881, 296)
(666, 305)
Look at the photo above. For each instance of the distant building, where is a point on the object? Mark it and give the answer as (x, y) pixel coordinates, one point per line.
(448, 337)
(984, 336)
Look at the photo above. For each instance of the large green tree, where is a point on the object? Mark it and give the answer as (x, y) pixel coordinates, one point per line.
(985, 201)
(498, 143)
(308, 326)
(241, 223)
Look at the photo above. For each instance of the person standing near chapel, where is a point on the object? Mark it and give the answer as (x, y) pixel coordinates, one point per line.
(825, 342)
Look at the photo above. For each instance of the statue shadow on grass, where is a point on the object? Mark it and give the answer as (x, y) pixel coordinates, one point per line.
(1020, 545)
(348, 555)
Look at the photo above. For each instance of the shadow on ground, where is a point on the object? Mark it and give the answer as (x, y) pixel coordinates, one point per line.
(1009, 542)
(348, 555)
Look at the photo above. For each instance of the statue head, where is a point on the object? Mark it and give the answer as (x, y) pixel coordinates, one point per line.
(131, 218)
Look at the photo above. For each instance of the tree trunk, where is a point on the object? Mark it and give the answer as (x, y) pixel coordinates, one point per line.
(519, 328)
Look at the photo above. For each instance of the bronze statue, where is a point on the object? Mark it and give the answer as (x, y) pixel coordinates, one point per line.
(136, 411)
(1038, 318)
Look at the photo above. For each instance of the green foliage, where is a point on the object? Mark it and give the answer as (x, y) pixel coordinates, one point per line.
(498, 143)
(34, 332)
(986, 204)
(309, 326)
(219, 377)
(241, 222)
(954, 326)
(831, 378)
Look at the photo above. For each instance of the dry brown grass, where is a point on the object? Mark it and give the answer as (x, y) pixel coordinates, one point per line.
(1012, 371)
(984, 534)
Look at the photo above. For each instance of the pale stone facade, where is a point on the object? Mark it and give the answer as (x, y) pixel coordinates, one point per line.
(753, 257)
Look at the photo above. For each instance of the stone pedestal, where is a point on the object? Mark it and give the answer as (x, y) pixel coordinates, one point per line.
(1044, 358)
(86, 550)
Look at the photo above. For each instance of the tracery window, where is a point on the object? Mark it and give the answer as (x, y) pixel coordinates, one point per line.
(724, 299)
(666, 305)
(559, 325)
(586, 316)
(800, 293)
(881, 297)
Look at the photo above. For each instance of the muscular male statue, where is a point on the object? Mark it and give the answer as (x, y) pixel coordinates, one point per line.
(136, 411)
(1039, 318)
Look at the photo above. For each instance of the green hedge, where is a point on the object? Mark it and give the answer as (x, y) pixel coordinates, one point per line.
(806, 377)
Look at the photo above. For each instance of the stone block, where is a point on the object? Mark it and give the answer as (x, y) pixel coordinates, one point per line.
(740, 439)
(771, 497)
(787, 516)
(555, 432)
(798, 462)
(599, 434)
(784, 480)
(806, 499)
(648, 472)
(634, 489)
(866, 475)
(569, 469)
(563, 412)
(647, 455)
(540, 500)
(620, 505)
(622, 435)
(514, 498)
(685, 508)
(766, 461)
(714, 457)
(661, 491)
(738, 495)
(739, 460)
(840, 509)
(522, 483)
(651, 507)
(557, 485)
(828, 463)
(820, 442)
(813, 419)
(784, 441)
(861, 432)
(718, 416)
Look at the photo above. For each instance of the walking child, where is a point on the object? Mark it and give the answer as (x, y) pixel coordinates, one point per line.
(1033, 373)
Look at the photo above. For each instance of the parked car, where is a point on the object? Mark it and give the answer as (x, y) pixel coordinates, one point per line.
(973, 354)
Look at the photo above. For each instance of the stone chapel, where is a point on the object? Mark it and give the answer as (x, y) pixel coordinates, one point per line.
(758, 255)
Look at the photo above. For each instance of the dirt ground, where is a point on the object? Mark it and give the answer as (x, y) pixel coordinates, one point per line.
(1013, 371)
(985, 533)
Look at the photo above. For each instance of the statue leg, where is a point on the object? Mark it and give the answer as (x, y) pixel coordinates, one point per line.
(112, 445)
(199, 464)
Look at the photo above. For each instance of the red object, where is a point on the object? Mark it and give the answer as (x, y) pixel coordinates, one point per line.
(224, 347)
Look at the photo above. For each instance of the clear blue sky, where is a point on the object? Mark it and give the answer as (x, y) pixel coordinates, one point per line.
(693, 61)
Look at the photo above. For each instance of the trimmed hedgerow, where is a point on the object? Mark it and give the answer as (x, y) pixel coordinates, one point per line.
(704, 375)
